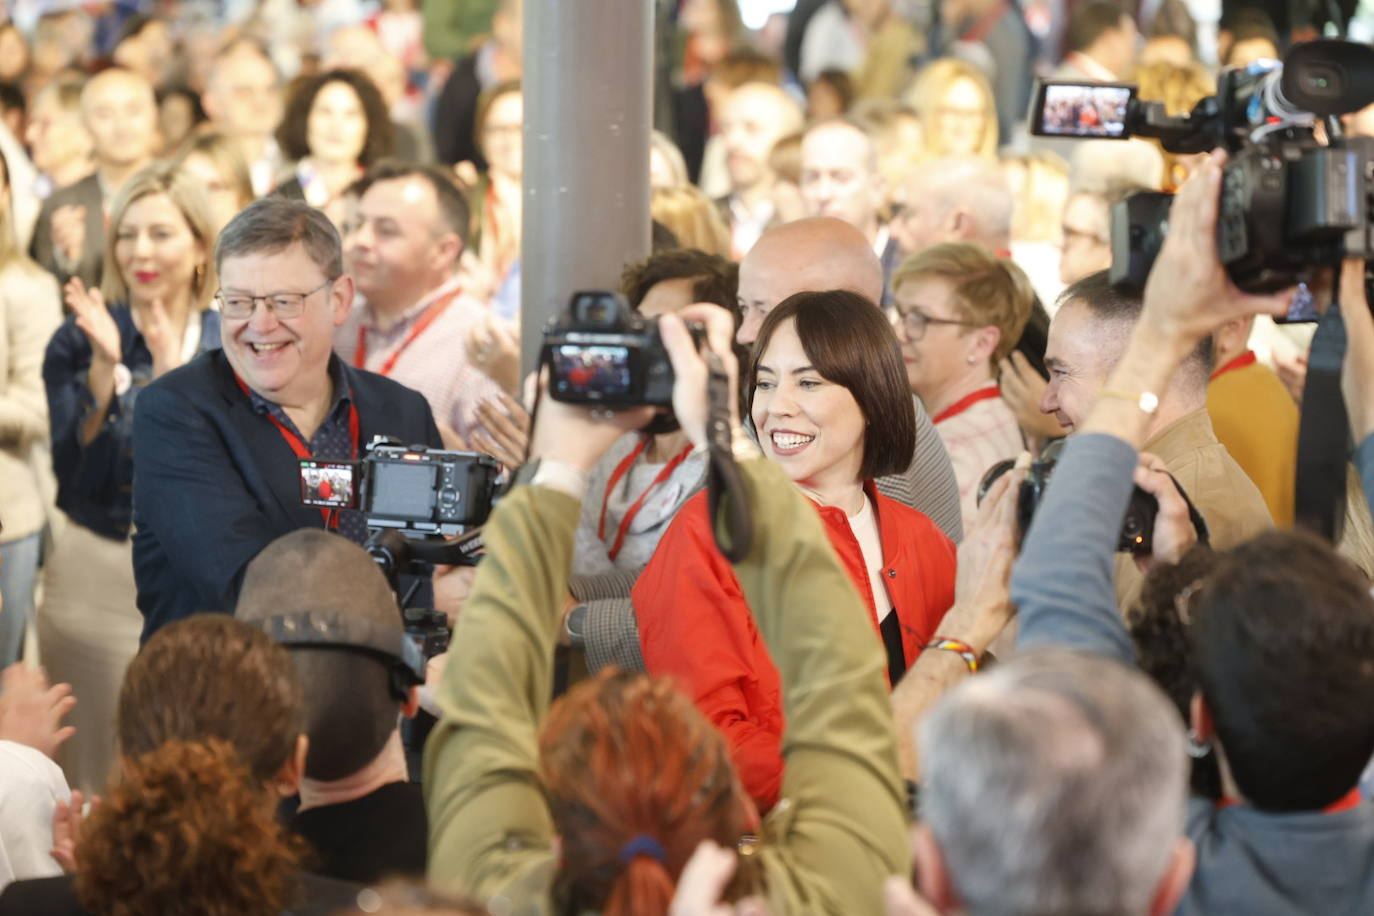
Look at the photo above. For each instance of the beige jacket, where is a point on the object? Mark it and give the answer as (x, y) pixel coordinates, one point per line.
(31, 305)
(1228, 500)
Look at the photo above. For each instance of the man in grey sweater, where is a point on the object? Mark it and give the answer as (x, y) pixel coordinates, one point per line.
(1283, 628)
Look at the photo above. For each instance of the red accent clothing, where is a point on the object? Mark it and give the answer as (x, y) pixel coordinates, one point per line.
(694, 623)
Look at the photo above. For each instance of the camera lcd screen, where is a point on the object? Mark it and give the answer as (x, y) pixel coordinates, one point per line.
(1083, 110)
(403, 489)
(329, 484)
(591, 372)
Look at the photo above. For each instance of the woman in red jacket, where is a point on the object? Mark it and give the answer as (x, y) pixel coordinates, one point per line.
(828, 400)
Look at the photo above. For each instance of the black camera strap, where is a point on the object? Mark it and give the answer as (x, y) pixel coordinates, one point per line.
(1324, 431)
(735, 534)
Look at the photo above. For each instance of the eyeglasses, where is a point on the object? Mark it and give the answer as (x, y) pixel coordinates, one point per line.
(282, 305)
(916, 321)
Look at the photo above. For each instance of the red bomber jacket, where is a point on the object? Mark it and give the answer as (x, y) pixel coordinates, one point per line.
(695, 625)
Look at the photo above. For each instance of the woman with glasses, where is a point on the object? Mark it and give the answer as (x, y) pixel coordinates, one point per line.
(149, 317)
(828, 402)
(960, 311)
(957, 110)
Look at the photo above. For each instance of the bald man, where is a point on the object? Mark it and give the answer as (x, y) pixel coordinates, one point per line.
(120, 112)
(840, 178)
(820, 253)
(753, 118)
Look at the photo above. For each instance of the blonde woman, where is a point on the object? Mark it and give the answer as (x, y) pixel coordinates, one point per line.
(158, 281)
(1179, 88)
(956, 108)
(30, 309)
(216, 160)
(692, 218)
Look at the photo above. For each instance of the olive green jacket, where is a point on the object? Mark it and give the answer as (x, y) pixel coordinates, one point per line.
(840, 827)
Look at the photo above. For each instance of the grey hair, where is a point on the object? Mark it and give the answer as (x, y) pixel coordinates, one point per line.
(974, 184)
(1055, 783)
(272, 225)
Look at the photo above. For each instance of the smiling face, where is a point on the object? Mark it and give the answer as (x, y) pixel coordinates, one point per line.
(283, 359)
(397, 247)
(156, 252)
(336, 130)
(1080, 355)
(811, 426)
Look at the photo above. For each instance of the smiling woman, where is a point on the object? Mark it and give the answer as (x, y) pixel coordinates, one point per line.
(158, 280)
(830, 404)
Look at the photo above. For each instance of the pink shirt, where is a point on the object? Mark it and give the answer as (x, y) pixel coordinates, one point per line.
(978, 433)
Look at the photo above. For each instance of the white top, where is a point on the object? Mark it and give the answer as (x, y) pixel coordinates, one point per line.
(864, 524)
(30, 787)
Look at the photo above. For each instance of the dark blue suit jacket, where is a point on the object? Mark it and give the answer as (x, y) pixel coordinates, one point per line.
(215, 482)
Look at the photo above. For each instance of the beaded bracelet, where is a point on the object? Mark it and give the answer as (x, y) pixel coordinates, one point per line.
(962, 649)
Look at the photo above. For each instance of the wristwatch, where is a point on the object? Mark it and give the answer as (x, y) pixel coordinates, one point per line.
(575, 626)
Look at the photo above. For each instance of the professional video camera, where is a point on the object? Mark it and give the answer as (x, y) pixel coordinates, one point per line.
(416, 500)
(1137, 528)
(1288, 204)
(602, 352)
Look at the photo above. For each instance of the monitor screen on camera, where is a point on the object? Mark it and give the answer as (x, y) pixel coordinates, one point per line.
(1083, 110)
(403, 489)
(328, 484)
(592, 371)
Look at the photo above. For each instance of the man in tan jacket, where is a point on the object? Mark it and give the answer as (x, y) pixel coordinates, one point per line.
(1087, 337)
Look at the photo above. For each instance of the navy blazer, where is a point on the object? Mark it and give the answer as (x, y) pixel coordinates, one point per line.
(215, 482)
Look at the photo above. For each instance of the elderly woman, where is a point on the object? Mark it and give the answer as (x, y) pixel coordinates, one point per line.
(159, 279)
(960, 311)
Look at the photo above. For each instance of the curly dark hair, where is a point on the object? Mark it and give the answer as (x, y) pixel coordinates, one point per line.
(1160, 625)
(291, 133)
(209, 713)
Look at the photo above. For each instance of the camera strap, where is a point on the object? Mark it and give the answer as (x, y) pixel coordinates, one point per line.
(735, 534)
(1323, 431)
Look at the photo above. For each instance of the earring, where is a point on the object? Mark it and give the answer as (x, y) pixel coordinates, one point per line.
(1197, 748)
(971, 360)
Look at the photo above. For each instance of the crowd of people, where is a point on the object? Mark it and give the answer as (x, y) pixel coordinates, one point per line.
(240, 241)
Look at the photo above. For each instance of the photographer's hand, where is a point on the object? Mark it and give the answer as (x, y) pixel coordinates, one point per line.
(1188, 296)
(31, 710)
(1174, 534)
(689, 391)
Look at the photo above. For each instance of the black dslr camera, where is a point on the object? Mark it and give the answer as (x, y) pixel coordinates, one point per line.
(417, 490)
(1288, 205)
(1137, 528)
(602, 352)
(415, 499)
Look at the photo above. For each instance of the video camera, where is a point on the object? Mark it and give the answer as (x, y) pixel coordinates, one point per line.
(1288, 204)
(423, 506)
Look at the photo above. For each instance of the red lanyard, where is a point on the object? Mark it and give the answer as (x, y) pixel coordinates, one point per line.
(435, 309)
(964, 403)
(302, 450)
(1240, 362)
(620, 471)
(1346, 802)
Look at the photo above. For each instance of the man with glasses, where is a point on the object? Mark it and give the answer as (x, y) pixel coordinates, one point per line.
(218, 441)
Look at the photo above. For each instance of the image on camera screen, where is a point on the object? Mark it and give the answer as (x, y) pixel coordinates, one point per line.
(403, 489)
(592, 371)
(1302, 308)
(1085, 111)
(328, 484)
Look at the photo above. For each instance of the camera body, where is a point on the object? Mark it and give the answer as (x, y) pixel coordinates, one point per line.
(1137, 528)
(601, 352)
(1288, 204)
(420, 491)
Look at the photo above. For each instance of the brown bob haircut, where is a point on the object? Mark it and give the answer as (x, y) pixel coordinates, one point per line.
(850, 342)
(291, 133)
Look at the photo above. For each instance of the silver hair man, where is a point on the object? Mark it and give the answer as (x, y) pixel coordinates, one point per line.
(1055, 783)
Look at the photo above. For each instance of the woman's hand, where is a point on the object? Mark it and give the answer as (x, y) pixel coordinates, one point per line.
(69, 231)
(982, 605)
(94, 320)
(1022, 389)
(160, 336)
(1357, 371)
(504, 432)
(66, 828)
